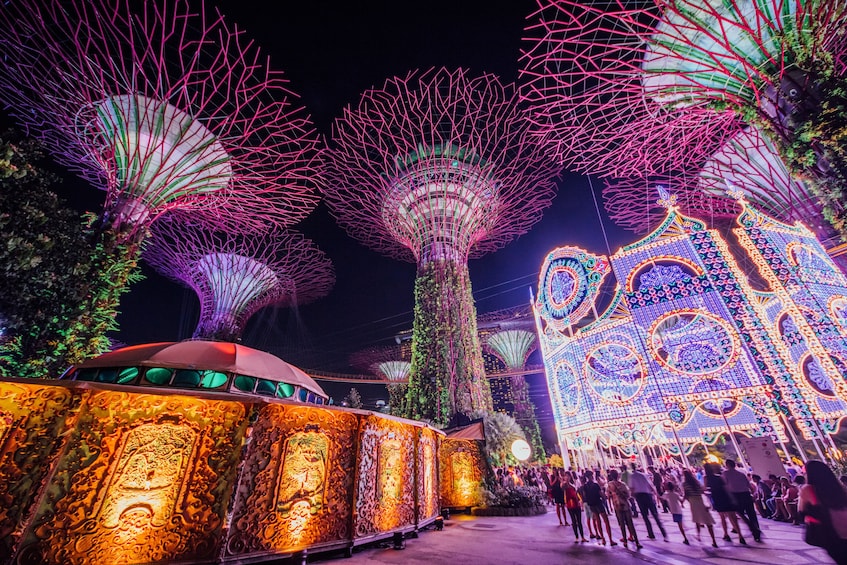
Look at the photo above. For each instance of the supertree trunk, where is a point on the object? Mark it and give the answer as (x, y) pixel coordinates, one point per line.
(447, 375)
(524, 414)
(397, 398)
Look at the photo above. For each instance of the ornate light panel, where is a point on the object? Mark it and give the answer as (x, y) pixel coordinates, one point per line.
(297, 481)
(146, 478)
(461, 468)
(693, 342)
(385, 494)
(615, 373)
(33, 422)
(567, 286)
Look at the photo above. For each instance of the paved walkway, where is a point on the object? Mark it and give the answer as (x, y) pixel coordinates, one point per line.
(467, 540)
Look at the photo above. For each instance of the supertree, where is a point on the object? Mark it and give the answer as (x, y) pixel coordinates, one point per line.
(236, 275)
(162, 107)
(437, 167)
(655, 87)
(513, 347)
(389, 363)
(747, 162)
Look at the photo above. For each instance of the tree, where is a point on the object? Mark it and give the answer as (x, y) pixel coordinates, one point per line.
(501, 430)
(353, 399)
(61, 277)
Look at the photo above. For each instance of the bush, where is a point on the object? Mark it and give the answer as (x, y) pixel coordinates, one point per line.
(514, 497)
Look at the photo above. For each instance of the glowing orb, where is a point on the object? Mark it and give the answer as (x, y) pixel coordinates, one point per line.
(521, 450)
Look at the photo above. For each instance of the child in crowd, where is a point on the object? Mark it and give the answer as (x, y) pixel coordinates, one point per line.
(674, 502)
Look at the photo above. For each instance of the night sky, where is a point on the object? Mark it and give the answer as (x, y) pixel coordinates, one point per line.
(331, 52)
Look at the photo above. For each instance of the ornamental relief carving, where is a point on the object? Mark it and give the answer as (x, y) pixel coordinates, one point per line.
(297, 480)
(427, 472)
(33, 421)
(385, 496)
(461, 472)
(146, 478)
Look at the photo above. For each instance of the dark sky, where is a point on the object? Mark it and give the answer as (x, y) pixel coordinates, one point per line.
(331, 52)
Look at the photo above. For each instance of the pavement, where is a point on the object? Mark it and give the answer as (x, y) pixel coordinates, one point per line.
(469, 540)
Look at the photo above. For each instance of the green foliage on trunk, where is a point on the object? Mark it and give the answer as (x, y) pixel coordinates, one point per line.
(62, 278)
(397, 398)
(447, 375)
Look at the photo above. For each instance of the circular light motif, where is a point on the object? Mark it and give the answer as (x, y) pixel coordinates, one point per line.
(817, 377)
(693, 342)
(562, 286)
(521, 450)
(615, 373)
(566, 388)
(718, 407)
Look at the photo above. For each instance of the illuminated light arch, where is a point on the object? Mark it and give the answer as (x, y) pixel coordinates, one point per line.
(566, 387)
(837, 307)
(568, 284)
(801, 255)
(615, 373)
(816, 377)
(714, 391)
(660, 261)
(693, 341)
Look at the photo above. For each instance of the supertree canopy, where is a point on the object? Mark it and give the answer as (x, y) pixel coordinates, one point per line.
(747, 163)
(655, 87)
(236, 275)
(163, 107)
(388, 363)
(512, 347)
(437, 167)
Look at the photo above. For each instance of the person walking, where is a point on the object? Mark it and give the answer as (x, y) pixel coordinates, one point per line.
(574, 506)
(738, 487)
(693, 493)
(674, 503)
(618, 494)
(642, 489)
(558, 494)
(721, 501)
(823, 504)
(594, 500)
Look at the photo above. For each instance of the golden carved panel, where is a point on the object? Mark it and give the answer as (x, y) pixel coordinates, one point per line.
(385, 493)
(427, 472)
(33, 420)
(297, 481)
(461, 470)
(146, 478)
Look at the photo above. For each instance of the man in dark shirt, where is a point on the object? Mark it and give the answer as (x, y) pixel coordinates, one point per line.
(739, 487)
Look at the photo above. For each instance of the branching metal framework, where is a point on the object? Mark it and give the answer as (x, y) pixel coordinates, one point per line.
(163, 107)
(390, 363)
(234, 275)
(437, 167)
(747, 163)
(644, 88)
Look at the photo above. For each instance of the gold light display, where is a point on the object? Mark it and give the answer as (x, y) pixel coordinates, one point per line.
(141, 477)
(385, 496)
(461, 468)
(427, 471)
(33, 421)
(145, 478)
(297, 481)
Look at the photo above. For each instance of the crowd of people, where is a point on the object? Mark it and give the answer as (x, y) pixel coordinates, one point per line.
(585, 499)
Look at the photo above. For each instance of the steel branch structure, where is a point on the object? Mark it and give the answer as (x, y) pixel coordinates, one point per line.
(637, 89)
(389, 363)
(747, 163)
(437, 167)
(163, 107)
(235, 275)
